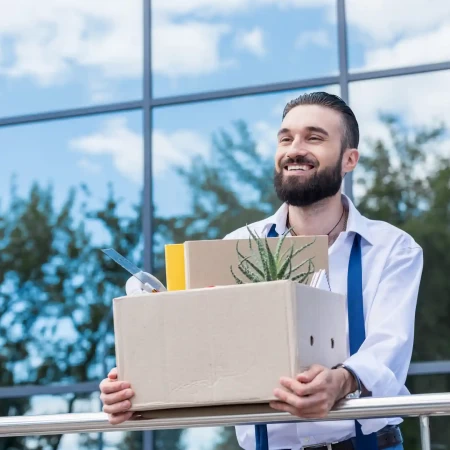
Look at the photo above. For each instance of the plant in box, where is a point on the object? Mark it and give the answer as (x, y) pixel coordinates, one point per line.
(264, 265)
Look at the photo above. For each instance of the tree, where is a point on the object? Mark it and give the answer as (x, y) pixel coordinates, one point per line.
(55, 300)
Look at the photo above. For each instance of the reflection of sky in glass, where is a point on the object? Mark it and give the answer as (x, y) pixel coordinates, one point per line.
(405, 98)
(386, 34)
(241, 43)
(70, 54)
(93, 151)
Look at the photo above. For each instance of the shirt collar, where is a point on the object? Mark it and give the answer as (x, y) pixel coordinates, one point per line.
(356, 222)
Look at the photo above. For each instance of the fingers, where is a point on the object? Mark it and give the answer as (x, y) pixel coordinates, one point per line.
(116, 419)
(293, 399)
(108, 387)
(117, 407)
(301, 389)
(116, 397)
(308, 375)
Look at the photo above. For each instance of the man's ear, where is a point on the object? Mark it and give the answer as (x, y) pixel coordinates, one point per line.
(350, 160)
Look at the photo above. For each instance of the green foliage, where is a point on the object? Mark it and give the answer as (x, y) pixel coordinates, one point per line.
(271, 266)
(56, 292)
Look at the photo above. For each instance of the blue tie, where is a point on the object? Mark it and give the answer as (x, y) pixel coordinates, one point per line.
(357, 334)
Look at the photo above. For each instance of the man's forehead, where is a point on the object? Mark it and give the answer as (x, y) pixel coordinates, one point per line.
(304, 116)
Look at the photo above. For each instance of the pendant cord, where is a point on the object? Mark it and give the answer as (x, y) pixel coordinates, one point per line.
(328, 234)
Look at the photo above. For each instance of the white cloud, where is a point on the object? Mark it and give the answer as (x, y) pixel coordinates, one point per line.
(252, 41)
(395, 34)
(406, 98)
(318, 38)
(119, 142)
(190, 48)
(89, 166)
(116, 140)
(385, 20)
(47, 44)
(176, 148)
(49, 41)
(425, 48)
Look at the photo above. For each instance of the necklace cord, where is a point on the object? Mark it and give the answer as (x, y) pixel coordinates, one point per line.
(328, 234)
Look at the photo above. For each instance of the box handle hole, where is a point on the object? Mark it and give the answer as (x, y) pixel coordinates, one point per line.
(332, 343)
(311, 340)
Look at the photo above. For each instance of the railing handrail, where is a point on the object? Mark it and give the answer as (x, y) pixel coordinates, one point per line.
(364, 408)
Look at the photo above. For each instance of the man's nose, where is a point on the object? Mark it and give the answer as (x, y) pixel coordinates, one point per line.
(297, 148)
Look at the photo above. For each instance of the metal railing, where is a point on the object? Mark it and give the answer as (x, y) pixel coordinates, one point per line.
(422, 405)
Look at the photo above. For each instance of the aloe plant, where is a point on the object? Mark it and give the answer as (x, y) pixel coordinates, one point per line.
(265, 265)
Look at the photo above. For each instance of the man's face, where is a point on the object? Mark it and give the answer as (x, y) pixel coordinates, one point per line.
(309, 158)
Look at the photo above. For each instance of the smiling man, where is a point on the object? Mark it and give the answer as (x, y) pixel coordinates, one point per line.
(375, 264)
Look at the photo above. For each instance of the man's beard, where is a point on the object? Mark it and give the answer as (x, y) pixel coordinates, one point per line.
(296, 191)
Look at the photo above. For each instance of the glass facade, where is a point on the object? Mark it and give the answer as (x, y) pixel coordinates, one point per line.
(135, 124)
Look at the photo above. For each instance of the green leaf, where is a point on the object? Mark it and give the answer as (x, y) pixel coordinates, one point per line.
(260, 246)
(286, 262)
(238, 281)
(301, 264)
(271, 261)
(303, 248)
(249, 274)
(302, 277)
(247, 259)
(279, 245)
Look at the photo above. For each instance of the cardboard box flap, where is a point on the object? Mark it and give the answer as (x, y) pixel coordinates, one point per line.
(207, 263)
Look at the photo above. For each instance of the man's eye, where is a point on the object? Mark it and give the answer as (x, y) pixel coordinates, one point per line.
(314, 138)
(285, 139)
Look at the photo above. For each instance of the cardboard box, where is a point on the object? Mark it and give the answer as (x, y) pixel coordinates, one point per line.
(225, 345)
(207, 263)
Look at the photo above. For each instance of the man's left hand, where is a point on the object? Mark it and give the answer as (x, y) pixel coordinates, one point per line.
(314, 392)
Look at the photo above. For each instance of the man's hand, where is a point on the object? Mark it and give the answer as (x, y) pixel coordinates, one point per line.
(115, 396)
(314, 392)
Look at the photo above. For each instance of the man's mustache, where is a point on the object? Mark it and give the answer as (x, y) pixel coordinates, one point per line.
(298, 160)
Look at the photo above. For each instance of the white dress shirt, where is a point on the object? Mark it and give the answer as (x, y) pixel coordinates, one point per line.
(392, 267)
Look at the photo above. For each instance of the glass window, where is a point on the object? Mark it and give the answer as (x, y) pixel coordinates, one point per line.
(68, 188)
(71, 54)
(386, 34)
(204, 45)
(403, 178)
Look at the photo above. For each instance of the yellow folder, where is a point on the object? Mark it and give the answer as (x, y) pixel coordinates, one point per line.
(175, 269)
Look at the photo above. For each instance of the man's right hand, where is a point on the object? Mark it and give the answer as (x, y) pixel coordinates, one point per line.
(115, 396)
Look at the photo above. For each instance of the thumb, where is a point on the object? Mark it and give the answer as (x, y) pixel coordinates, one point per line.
(112, 375)
(308, 375)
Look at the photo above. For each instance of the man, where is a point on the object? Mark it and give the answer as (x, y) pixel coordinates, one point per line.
(374, 263)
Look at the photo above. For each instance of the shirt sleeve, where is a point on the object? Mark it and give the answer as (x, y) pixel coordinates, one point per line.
(382, 362)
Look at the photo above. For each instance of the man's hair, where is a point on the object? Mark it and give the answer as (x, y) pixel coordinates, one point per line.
(350, 137)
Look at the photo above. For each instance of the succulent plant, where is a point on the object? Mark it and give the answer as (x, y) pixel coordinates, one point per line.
(264, 265)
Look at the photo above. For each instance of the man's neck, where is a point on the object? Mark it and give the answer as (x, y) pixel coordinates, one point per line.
(317, 219)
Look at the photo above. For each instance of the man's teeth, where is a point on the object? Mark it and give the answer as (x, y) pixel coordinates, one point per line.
(300, 167)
